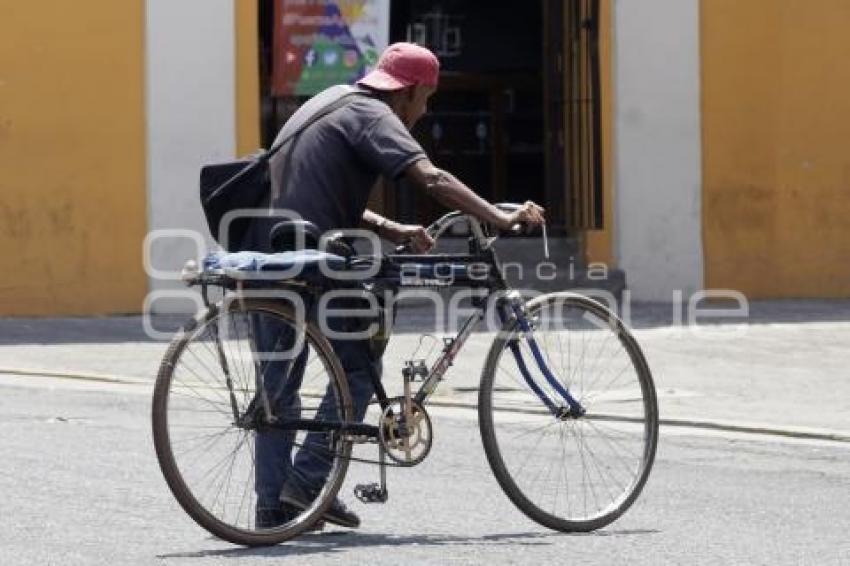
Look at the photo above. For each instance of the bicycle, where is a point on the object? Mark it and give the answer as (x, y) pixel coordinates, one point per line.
(567, 407)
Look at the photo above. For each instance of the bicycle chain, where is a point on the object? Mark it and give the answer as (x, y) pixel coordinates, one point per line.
(361, 460)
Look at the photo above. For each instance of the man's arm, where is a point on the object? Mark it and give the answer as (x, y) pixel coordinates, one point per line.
(452, 193)
(449, 191)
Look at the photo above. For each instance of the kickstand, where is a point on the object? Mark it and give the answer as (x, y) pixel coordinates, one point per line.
(373, 492)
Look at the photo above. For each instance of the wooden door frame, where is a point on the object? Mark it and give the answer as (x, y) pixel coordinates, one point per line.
(554, 101)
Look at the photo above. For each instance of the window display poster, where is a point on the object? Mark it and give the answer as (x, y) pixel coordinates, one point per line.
(321, 43)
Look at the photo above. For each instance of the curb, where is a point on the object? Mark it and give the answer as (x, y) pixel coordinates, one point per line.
(743, 428)
(102, 378)
(763, 429)
(701, 424)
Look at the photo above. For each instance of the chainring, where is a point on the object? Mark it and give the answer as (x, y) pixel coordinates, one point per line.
(406, 443)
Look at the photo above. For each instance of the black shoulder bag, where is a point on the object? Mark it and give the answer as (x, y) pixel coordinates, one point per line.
(246, 183)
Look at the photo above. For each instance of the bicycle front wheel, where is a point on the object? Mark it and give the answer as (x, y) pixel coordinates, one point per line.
(569, 474)
(225, 386)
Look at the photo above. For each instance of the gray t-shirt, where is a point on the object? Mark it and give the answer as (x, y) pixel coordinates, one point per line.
(330, 168)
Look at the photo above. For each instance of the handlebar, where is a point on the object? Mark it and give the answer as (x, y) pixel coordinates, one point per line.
(439, 226)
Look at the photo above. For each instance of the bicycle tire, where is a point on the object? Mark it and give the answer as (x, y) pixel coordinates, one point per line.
(526, 405)
(232, 531)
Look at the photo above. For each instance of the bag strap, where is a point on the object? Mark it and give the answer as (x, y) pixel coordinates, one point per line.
(320, 113)
(264, 157)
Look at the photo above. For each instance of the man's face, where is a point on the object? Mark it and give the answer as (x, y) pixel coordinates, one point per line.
(417, 104)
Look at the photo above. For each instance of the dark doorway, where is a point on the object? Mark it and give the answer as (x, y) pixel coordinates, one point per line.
(497, 121)
(485, 124)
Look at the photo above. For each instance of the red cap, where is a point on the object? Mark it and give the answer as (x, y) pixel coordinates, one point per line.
(402, 65)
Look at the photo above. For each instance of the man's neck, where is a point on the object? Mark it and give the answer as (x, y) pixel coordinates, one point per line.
(390, 98)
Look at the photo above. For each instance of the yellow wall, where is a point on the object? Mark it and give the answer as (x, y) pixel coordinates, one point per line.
(72, 160)
(776, 170)
(599, 243)
(247, 77)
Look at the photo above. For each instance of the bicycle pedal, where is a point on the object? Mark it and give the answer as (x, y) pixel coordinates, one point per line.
(370, 493)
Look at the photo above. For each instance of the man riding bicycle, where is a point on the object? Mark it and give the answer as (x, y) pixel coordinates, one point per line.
(325, 177)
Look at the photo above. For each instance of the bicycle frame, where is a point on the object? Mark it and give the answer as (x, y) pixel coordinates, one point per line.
(423, 271)
(510, 308)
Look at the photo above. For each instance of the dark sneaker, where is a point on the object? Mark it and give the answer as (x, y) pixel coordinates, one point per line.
(337, 513)
(271, 518)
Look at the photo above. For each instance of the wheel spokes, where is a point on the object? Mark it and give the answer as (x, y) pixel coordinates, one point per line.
(574, 469)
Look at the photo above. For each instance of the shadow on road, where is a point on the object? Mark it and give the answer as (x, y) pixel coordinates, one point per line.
(338, 541)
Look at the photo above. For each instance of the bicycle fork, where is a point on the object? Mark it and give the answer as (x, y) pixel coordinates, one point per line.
(518, 311)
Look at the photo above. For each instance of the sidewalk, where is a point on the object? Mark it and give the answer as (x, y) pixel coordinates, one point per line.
(785, 368)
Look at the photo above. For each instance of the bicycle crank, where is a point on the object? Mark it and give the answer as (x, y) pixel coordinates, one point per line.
(405, 432)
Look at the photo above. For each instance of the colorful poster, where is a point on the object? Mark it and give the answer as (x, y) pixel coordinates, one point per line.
(321, 43)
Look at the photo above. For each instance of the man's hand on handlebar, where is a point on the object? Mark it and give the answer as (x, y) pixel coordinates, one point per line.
(529, 214)
(415, 238)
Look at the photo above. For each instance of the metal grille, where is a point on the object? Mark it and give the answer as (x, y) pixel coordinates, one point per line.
(583, 123)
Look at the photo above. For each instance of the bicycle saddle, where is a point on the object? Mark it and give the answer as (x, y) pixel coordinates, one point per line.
(294, 235)
(285, 237)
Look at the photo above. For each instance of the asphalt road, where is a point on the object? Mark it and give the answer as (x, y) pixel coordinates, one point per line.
(80, 485)
(783, 367)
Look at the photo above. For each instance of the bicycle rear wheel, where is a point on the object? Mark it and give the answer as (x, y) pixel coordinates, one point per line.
(570, 474)
(221, 456)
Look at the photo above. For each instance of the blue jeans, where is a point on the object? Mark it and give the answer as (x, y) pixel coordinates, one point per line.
(275, 464)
